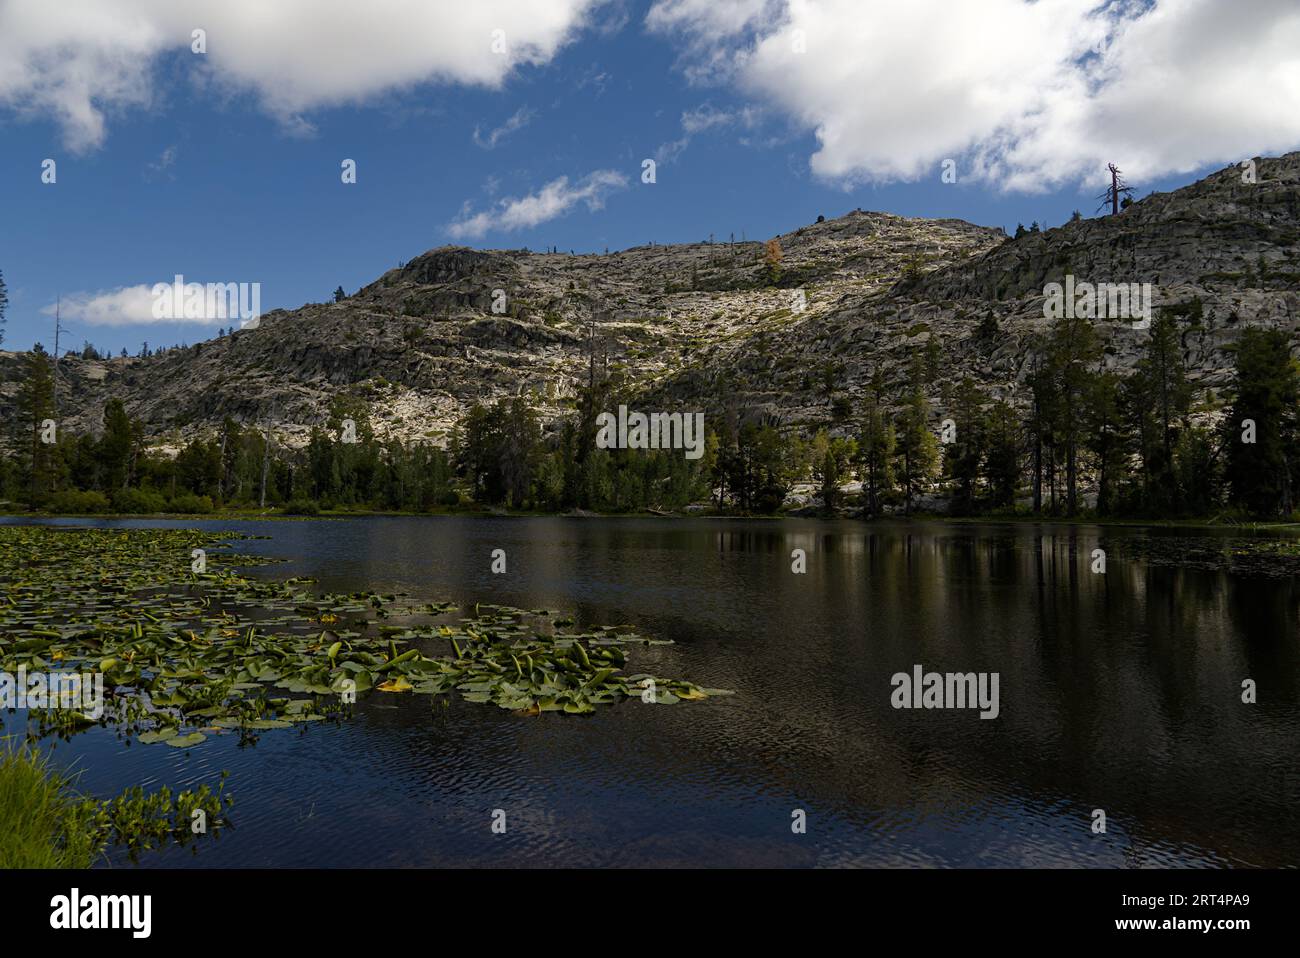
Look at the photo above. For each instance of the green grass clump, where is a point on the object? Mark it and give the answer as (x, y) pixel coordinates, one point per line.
(44, 823)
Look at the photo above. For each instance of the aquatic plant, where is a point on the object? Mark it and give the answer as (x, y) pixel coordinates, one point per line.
(190, 646)
(46, 823)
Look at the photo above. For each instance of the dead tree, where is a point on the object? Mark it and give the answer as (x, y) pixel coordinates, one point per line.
(54, 377)
(1116, 189)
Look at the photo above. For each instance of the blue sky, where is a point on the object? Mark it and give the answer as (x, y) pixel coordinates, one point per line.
(225, 180)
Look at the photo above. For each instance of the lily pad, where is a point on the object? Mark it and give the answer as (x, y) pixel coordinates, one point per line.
(186, 741)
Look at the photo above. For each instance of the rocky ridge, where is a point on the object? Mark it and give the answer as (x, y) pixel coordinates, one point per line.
(700, 326)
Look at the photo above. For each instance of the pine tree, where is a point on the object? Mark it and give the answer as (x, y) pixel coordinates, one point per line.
(1042, 388)
(1107, 437)
(1159, 399)
(830, 461)
(876, 448)
(1074, 348)
(1001, 454)
(1060, 379)
(917, 449)
(1260, 474)
(964, 456)
(1198, 469)
(35, 405)
(114, 452)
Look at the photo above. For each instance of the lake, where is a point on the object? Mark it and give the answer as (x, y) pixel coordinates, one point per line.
(1119, 692)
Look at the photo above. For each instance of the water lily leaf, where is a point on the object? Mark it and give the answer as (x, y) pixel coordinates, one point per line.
(186, 741)
(210, 646)
(208, 712)
(162, 735)
(598, 679)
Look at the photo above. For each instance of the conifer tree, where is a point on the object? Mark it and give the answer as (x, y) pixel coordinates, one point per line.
(876, 447)
(35, 405)
(1261, 473)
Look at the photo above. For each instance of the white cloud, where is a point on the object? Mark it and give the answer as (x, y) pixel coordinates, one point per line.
(702, 119)
(135, 306)
(80, 59)
(707, 117)
(709, 28)
(166, 160)
(554, 199)
(126, 306)
(1029, 95)
(595, 78)
(669, 151)
(517, 121)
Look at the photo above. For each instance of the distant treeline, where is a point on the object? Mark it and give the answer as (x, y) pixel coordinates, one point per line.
(1147, 444)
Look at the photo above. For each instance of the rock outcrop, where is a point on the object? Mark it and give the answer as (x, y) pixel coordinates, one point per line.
(702, 325)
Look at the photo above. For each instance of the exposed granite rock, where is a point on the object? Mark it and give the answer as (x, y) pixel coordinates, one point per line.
(699, 324)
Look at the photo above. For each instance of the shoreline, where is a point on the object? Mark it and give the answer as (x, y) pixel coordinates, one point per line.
(1209, 523)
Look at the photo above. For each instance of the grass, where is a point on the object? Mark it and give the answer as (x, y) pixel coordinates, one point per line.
(44, 823)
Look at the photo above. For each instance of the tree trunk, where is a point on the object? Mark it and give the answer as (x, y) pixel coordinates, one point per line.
(1038, 466)
(266, 465)
(1071, 465)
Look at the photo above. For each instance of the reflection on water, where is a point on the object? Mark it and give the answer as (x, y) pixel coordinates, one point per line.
(1119, 692)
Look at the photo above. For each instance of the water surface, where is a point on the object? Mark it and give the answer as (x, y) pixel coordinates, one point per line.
(1118, 691)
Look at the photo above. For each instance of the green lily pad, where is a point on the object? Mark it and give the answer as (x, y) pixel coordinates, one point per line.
(162, 735)
(186, 741)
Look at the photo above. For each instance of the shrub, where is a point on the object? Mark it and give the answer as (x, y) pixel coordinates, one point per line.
(191, 505)
(74, 502)
(138, 501)
(301, 507)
